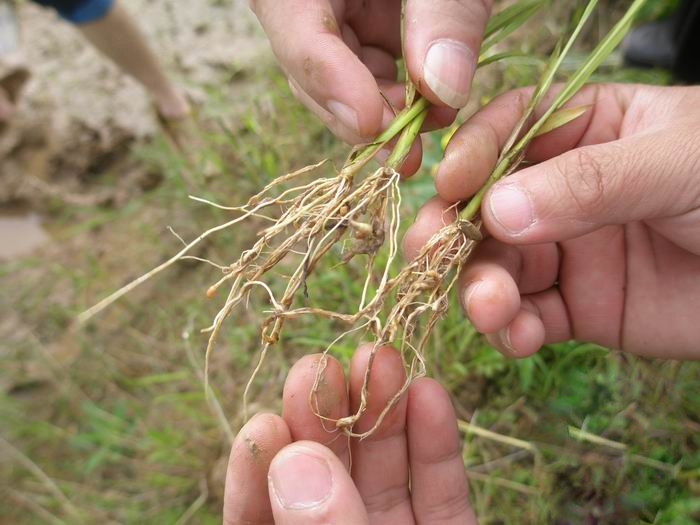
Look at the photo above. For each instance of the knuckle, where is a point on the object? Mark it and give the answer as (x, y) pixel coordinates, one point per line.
(585, 176)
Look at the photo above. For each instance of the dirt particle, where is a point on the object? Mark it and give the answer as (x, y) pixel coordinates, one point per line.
(253, 448)
(308, 66)
(329, 22)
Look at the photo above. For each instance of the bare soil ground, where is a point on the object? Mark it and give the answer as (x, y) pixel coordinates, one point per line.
(79, 115)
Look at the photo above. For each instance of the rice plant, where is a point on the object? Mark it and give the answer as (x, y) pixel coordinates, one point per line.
(357, 210)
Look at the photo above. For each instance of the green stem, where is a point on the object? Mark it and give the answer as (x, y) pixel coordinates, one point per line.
(472, 207)
(403, 119)
(403, 145)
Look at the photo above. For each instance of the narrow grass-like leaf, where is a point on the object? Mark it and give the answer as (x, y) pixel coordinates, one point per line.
(509, 152)
(548, 78)
(410, 86)
(584, 72)
(512, 151)
(518, 12)
(599, 54)
(561, 118)
(497, 57)
(507, 29)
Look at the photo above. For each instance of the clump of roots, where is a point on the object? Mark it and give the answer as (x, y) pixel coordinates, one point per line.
(421, 291)
(315, 217)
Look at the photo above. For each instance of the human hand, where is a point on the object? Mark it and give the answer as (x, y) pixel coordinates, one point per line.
(339, 54)
(409, 471)
(599, 240)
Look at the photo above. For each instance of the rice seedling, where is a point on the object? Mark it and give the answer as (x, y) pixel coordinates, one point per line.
(358, 210)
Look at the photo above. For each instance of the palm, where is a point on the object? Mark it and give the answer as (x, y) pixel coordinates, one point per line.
(620, 284)
(409, 471)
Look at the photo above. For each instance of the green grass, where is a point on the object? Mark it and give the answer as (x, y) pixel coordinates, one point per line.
(115, 415)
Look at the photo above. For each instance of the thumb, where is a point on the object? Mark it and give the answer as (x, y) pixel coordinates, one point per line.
(309, 485)
(442, 44)
(638, 178)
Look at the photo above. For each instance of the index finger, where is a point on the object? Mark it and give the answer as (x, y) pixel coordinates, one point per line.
(306, 39)
(474, 150)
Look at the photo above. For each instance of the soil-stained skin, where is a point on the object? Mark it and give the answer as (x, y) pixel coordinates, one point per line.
(253, 448)
(329, 22)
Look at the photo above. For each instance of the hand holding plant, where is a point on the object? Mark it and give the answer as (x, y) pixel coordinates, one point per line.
(359, 212)
(338, 55)
(597, 240)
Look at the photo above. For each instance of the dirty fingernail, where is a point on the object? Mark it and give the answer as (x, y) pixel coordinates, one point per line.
(345, 115)
(300, 480)
(448, 70)
(511, 208)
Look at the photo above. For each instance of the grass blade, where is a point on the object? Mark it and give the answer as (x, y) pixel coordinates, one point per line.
(584, 72)
(518, 12)
(561, 118)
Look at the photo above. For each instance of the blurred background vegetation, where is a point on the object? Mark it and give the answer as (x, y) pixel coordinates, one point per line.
(110, 424)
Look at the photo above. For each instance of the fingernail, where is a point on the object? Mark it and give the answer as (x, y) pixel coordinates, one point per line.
(345, 115)
(504, 336)
(448, 71)
(511, 208)
(299, 480)
(468, 295)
